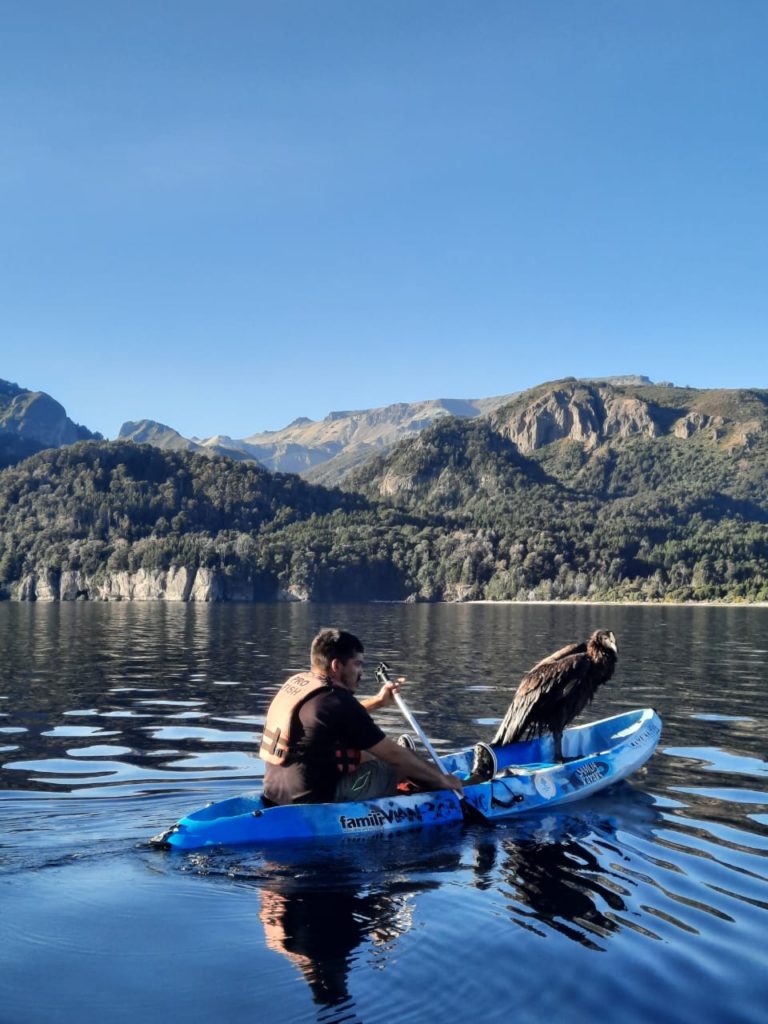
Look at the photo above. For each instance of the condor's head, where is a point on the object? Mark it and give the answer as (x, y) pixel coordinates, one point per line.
(604, 643)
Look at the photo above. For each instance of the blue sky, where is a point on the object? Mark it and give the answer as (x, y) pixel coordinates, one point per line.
(223, 216)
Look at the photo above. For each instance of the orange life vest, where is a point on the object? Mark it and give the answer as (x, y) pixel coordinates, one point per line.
(276, 740)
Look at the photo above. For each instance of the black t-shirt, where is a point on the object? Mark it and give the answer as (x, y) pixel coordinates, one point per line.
(330, 720)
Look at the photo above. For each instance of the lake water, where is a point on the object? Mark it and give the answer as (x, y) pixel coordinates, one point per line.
(648, 902)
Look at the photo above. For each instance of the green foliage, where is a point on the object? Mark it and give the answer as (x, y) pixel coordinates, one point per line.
(638, 518)
(93, 507)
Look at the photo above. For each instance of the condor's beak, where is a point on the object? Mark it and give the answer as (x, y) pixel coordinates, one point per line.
(611, 642)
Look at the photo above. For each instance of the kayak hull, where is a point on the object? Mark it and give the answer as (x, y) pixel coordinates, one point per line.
(596, 756)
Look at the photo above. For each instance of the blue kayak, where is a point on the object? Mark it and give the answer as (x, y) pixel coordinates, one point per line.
(526, 778)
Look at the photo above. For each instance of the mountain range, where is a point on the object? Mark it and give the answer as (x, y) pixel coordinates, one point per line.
(324, 451)
(600, 490)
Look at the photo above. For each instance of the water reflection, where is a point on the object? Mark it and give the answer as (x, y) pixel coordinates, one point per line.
(563, 873)
(588, 878)
(319, 930)
(330, 907)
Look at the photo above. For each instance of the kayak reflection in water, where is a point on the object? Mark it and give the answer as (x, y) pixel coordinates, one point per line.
(318, 930)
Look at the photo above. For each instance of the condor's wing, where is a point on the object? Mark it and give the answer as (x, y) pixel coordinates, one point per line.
(564, 652)
(541, 690)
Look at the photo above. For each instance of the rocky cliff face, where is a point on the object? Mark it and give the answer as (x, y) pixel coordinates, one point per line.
(588, 413)
(697, 423)
(174, 584)
(594, 413)
(32, 420)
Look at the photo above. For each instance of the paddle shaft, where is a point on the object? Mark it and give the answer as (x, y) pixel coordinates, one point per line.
(419, 732)
(470, 812)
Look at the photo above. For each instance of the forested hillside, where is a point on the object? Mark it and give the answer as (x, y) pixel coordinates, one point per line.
(574, 490)
(625, 493)
(100, 507)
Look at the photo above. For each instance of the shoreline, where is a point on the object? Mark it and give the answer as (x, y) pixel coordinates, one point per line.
(162, 600)
(627, 604)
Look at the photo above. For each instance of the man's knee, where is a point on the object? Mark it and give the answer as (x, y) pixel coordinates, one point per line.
(372, 780)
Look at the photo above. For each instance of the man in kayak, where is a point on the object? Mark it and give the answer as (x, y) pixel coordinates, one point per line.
(320, 743)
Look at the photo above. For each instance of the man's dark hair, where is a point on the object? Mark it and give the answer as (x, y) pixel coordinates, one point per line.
(333, 643)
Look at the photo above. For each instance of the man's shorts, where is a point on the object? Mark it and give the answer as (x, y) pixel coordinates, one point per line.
(372, 780)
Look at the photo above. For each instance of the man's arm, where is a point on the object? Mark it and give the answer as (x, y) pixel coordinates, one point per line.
(410, 766)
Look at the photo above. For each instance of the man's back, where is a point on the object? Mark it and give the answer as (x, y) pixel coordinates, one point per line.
(331, 729)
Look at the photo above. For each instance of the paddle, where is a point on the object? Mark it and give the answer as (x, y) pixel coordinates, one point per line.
(408, 714)
(382, 676)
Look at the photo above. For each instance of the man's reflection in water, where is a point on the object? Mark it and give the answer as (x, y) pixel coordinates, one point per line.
(319, 919)
(318, 930)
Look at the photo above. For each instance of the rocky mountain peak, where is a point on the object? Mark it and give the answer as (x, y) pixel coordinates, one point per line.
(31, 421)
(576, 411)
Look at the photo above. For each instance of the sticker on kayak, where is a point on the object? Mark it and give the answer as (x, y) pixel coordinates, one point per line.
(377, 818)
(545, 786)
(590, 773)
(373, 820)
(649, 732)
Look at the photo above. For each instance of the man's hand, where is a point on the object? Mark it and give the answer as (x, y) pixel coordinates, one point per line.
(451, 782)
(385, 698)
(386, 695)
